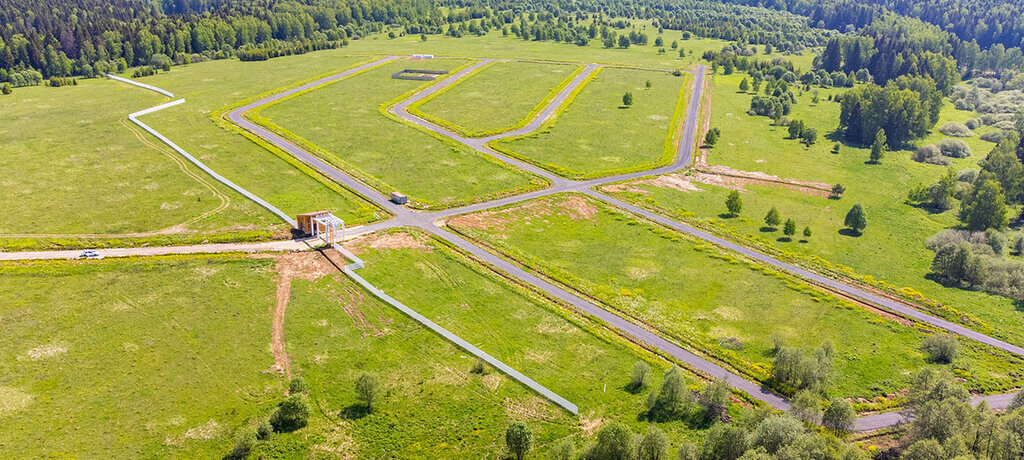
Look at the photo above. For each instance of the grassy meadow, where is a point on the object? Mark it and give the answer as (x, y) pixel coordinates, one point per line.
(503, 95)
(896, 230)
(154, 358)
(699, 296)
(598, 135)
(391, 156)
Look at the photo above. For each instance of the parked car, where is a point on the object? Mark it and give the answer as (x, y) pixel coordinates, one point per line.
(90, 254)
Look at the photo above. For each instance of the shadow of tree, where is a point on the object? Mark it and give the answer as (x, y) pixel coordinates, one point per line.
(354, 412)
(850, 232)
(767, 229)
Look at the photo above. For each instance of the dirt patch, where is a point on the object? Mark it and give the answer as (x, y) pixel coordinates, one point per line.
(351, 299)
(531, 408)
(399, 240)
(43, 352)
(574, 207)
(206, 431)
(298, 265)
(589, 425)
(873, 309)
(13, 400)
(725, 177)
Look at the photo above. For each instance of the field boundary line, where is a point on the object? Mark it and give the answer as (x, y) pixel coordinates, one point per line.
(140, 84)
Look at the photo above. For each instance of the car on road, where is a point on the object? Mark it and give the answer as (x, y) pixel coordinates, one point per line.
(90, 254)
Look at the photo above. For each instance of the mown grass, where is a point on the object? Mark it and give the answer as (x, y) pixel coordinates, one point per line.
(143, 351)
(355, 135)
(598, 135)
(698, 295)
(502, 96)
(891, 250)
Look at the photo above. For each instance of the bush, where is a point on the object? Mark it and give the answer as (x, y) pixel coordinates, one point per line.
(654, 445)
(839, 416)
(930, 154)
(263, 430)
(478, 367)
(292, 414)
(518, 439)
(640, 376)
(993, 136)
(367, 388)
(245, 440)
(955, 148)
(673, 400)
(973, 123)
(941, 348)
(297, 385)
(614, 441)
(954, 129)
(776, 432)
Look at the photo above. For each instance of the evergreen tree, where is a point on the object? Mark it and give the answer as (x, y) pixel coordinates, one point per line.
(773, 219)
(878, 147)
(832, 58)
(855, 219)
(744, 85)
(7, 88)
(627, 99)
(733, 203)
(789, 229)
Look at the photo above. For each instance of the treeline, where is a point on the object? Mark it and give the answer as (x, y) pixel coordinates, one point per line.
(73, 37)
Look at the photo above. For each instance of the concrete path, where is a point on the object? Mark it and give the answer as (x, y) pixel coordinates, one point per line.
(640, 334)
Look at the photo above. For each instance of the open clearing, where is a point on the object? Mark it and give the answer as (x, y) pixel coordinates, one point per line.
(500, 97)
(390, 156)
(161, 357)
(894, 228)
(74, 148)
(699, 295)
(597, 135)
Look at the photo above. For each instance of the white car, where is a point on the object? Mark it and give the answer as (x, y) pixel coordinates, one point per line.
(90, 254)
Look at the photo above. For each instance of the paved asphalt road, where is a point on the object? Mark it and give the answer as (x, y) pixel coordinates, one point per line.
(650, 339)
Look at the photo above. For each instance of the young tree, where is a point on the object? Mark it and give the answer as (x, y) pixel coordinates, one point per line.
(519, 439)
(714, 398)
(7, 88)
(835, 148)
(789, 229)
(724, 441)
(654, 445)
(837, 191)
(614, 441)
(298, 385)
(985, 207)
(710, 138)
(648, 84)
(776, 432)
(773, 219)
(809, 136)
(941, 348)
(855, 219)
(641, 375)
(292, 414)
(627, 99)
(423, 37)
(744, 85)
(688, 451)
(878, 147)
(673, 400)
(806, 405)
(807, 232)
(815, 98)
(564, 450)
(367, 388)
(733, 203)
(796, 128)
(839, 416)
(245, 440)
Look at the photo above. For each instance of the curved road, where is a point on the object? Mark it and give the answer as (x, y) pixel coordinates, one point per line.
(426, 220)
(649, 339)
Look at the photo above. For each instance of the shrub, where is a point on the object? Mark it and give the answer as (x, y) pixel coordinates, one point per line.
(941, 348)
(714, 398)
(673, 400)
(839, 416)
(724, 441)
(478, 367)
(640, 376)
(925, 153)
(614, 441)
(263, 430)
(955, 148)
(954, 129)
(564, 450)
(518, 439)
(973, 123)
(367, 388)
(245, 440)
(776, 432)
(298, 385)
(292, 414)
(654, 445)
(993, 136)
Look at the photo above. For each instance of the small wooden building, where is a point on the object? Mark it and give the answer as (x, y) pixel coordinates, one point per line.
(307, 224)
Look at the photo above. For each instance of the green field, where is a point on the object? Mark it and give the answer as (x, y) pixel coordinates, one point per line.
(895, 229)
(700, 296)
(161, 357)
(502, 96)
(391, 156)
(597, 135)
(62, 152)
